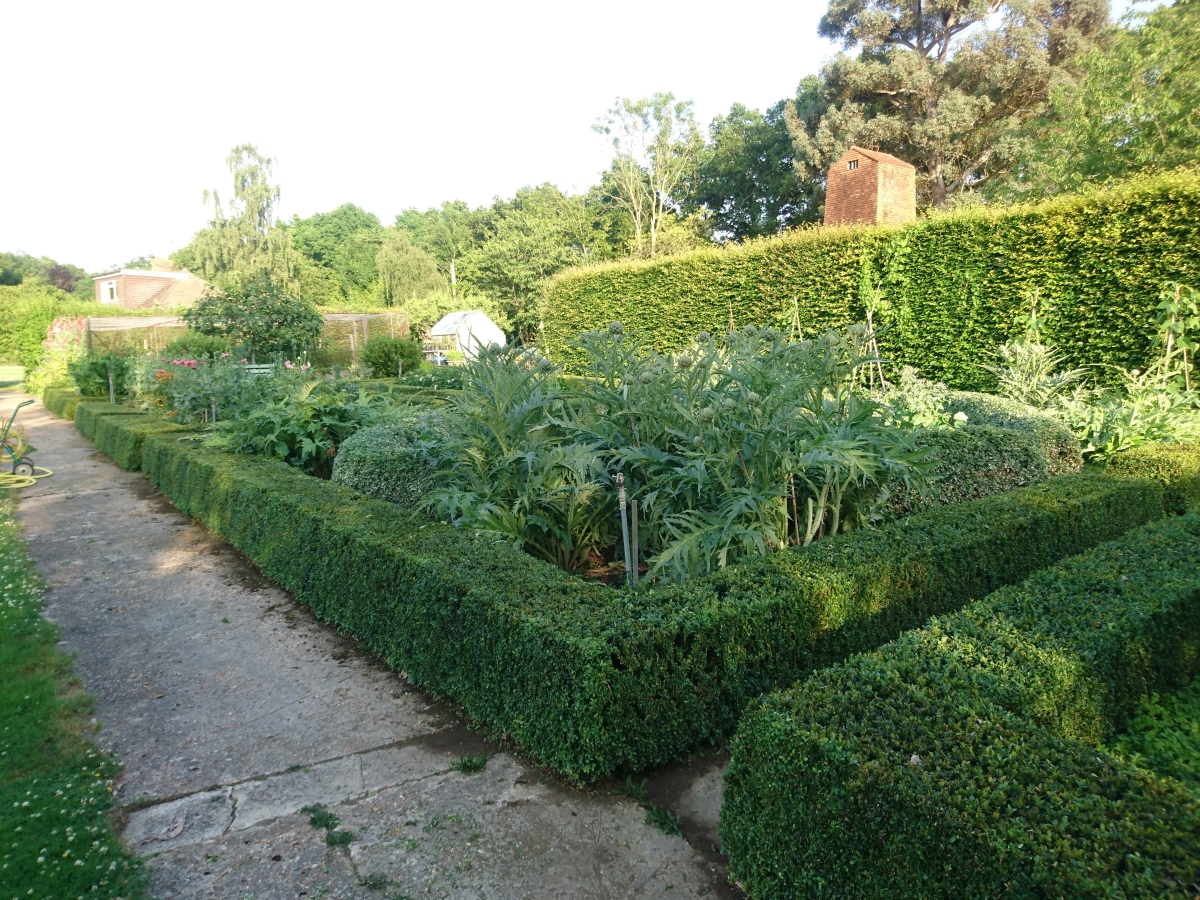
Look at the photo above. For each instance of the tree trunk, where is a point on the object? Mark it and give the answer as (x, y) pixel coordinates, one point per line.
(453, 283)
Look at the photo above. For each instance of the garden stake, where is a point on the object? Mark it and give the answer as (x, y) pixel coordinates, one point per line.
(112, 391)
(633, 539)
(624, 524)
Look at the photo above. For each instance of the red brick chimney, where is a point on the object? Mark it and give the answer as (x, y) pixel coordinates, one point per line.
(867, 187)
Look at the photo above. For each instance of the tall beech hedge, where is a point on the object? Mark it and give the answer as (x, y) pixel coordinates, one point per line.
(955, 283)
(591, 679)
(962, 759)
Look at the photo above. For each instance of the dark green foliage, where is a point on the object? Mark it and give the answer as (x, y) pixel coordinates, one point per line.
(344, 242)
(1175, 466)
(954, 285)
(972, 461)
(591, 679)
(395, 462)
(61, 401)
(304, 426)
(1164, 735)
(88, 415)
(91, 373)
(960, 760)
(195, 345)
(1053, 439)
(339, 838)
(121, 437)
(663, 819)
(257, 315)
(471, 765)
(384, 354)
(56, 839)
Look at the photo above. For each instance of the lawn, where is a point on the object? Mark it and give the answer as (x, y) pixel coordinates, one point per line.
(56, 839)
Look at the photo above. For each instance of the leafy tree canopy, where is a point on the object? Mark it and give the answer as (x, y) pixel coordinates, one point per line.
(745, 178)
(1134, 107)
(947, 85)
(345, 242)
(258, 316)
(243, 242)
(16, 268)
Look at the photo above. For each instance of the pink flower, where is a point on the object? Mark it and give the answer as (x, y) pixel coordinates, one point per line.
(245, 360)
(287, 364)
(223, 355)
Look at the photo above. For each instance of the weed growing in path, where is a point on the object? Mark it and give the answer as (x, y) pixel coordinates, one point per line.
(662, 819)
(320, 817)
(471, 765)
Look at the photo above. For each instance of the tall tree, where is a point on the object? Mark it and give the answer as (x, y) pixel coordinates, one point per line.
(1134, 107)
(405, 270)
(245, 241)
(344, 241)
(947, 85)
(446, 234)
(655, 148)
(745, 178)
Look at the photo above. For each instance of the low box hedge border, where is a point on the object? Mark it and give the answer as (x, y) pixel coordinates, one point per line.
(1175, 466)
(88, 413)
(592, 680)
(961, 761)
(61, 401)
(122, 437)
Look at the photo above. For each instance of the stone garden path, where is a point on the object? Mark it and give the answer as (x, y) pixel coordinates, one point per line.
(232, 707)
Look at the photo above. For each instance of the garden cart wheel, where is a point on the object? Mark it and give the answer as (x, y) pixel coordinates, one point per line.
(23, 468)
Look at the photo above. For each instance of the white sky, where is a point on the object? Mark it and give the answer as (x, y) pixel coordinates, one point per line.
(117, 115)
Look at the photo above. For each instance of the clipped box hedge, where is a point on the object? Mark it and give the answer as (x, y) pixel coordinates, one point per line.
(591, 679)
(1053, 439)
(122, 437)
(88, 414)
(961, 761)
(955, 284)
(1175, 466)
(61, 401)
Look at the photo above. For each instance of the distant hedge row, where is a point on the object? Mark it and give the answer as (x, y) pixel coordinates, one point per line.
(955, 284)
(962, 761)
(590, 679)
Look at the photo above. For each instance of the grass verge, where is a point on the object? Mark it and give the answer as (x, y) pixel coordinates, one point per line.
(56, 840)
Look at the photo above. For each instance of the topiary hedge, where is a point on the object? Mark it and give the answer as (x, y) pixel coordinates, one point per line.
(1175, 466)
(955, 284)
(61, 401)
(88, 414)
(970, 462)
(1053, 439)
(590, 679)
(960, 760)
(395, 462)
(122, 437)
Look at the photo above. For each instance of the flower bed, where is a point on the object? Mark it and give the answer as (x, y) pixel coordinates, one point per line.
(591, 680)
(961, 759)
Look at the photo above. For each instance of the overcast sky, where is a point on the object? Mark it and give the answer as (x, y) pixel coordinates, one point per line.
(117, 115)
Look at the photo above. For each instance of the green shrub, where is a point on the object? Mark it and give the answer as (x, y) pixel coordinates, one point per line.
(395, 462)
(61, 401)
(970, 462)
(91, 374)
(591, 679)
(122, 437)
(959, 760)
(1164, 735)
(1175, 466)
(384, 354)
(194, 345)
(88, 414)
(1053, 438)
(954, 285)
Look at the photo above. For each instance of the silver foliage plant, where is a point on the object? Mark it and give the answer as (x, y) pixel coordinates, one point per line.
(742, 445)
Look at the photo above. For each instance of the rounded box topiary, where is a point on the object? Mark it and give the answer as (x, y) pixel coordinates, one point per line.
(395, 462)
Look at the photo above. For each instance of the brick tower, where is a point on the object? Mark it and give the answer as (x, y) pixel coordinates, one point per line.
(867, 187)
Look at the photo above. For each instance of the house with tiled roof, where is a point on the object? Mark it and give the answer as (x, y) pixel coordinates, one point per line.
(161, 286)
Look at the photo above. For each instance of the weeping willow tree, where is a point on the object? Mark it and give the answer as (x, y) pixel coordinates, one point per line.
(244, 241)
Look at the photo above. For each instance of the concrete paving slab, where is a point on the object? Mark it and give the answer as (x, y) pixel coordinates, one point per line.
(232, 708)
